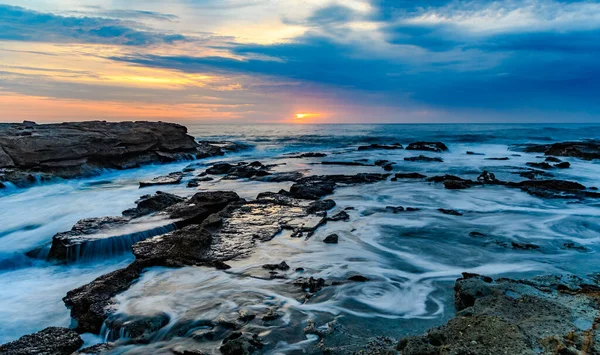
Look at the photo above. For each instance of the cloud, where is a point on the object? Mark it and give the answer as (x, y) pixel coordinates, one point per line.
(20, 24)
(130, 14)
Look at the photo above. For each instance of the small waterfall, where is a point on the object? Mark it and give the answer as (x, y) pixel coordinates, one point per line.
(100, 248)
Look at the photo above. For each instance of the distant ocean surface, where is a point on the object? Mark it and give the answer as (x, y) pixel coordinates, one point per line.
(411, 259)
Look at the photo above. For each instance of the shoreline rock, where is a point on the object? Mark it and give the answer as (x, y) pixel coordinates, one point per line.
(93, 146)
(51, 341)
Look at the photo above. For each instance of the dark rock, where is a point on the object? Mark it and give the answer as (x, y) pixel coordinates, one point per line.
(587, 150)
(220, 169)
(89, 304)
(331, 239)
(311, 285)
(171, 179)
(524, 246)
(381, 162)
(340, 216)
(422, 158)
(139, 328)
(477, 234)
(552, 188)
(573, 246)
(412, 209)
(409, 176)
(321, 205)
(381, 146)
(388, 167)
(280, 177)
(473, 153)
(345, 163)
(271, 315)
(148, 204)
(500, 158)
(487, 178)
(450, 212)
(395, 209)
(358, 278)
(283, 266)
(457, 184)
(50, 341)
(94, 146)
(239, 343)
(428, 146)
(563, 165)
(95, 349)
(309, 155)
(240, 170)
(317, 186)
(553, 160)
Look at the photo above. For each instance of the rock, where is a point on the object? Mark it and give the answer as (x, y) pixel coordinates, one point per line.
(340, 216)
(563, 165)
(573, 246)
(428, 146)
(388, 167)
(524, 246)
(309, 155)
(240, 170)
(95, 349)
(380, 146)
(549, 314)
(587, 150)
(271, 315)
(170, 179)
(283, 266)
(345, 163)
(148, 204)
(311, 285)
(139, 328)
(94, 146)
(533, 174)
(477, 234)
(488, 178)
(50, 341)
(102, 237)
(331, 239)
(422, 158)
(553, 160)
(2, 186)
(409, 176)
(358, 278)
(458, 184)
(317, 186)
(473, 153)
(321, 205)
(552, 188)
(280, 177)
(500, 158)
(412, 209)
(238, 343)
(395, 209)
(450, 212)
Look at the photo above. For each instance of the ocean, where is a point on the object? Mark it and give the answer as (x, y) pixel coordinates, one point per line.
(410, 259)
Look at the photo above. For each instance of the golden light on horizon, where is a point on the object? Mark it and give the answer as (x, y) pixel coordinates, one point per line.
(301, 115)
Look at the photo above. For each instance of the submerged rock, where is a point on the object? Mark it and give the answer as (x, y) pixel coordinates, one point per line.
(340, 216)
(240, 170)
(50, 341)
(309, 155)
(239, 343)
(422, 158)
(381, 146)
(450, 212)
(428, 146)
(409, 176)
(283, 266)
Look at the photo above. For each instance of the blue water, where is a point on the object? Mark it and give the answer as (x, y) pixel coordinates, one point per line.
(412, 259)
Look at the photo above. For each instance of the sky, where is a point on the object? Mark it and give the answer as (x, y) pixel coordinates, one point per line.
(300, 61)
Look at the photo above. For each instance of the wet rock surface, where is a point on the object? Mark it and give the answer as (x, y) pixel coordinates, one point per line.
(148, 204)
(549, 314)
(317, 186)
(423, 158)
(381, 146)
(94, 146)
(240, 170)
(50, 341)
(587, 150)
(170, 179)
(428, 146)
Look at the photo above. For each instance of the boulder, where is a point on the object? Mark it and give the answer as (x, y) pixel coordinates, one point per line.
(587, 150)
(148, 204)
(317, 186)
(331, 239)
(50, 341)
(409, 176)
(381, 146)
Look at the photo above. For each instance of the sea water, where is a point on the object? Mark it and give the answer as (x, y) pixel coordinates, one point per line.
(411, 259)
